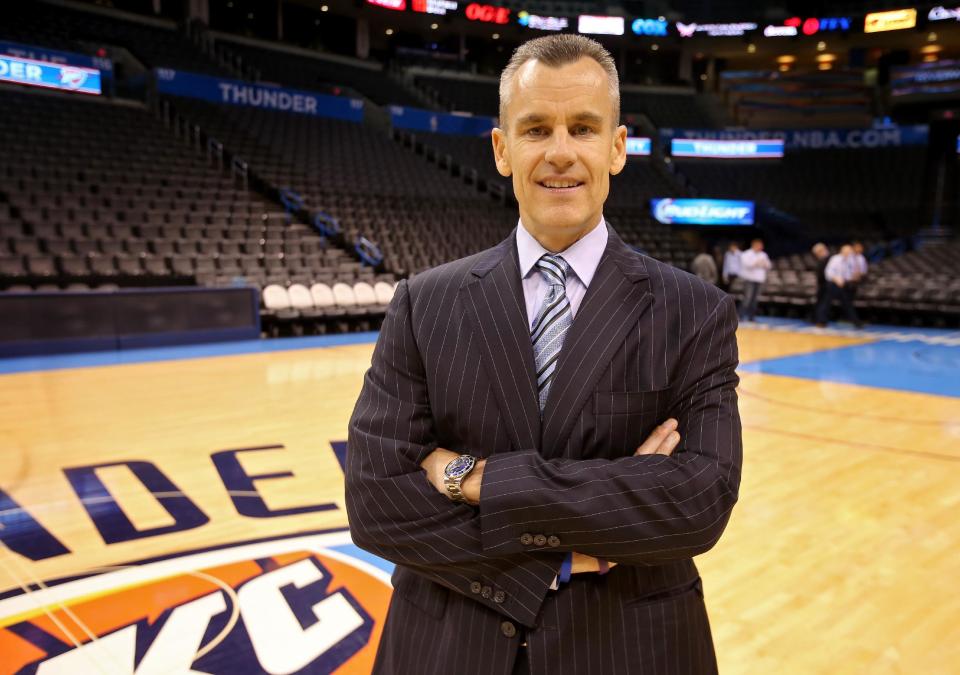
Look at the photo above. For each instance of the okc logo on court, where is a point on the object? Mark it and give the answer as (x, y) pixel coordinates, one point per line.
(280, 606)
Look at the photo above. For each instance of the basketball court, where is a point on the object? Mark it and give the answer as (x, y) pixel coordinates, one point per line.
(183, 508)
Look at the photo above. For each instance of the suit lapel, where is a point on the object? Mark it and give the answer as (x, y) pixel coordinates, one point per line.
(617, 297)
(493, 297)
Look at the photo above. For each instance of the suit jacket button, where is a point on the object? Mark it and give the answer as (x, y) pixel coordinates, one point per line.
(475, 587)
(486, 592)
(526, 538)
(540, 540)
(553, 541)
(499, 597)
(508, 629)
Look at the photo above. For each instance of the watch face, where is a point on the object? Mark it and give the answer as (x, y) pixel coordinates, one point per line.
(459, 466)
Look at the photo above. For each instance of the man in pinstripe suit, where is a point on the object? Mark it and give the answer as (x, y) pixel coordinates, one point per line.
(548, 432)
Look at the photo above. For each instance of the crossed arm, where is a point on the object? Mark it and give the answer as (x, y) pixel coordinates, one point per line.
(648, 508)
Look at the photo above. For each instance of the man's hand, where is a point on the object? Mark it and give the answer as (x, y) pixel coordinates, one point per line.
(437, 461)
(662, 441)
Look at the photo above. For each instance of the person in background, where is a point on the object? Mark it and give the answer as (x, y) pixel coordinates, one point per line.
(822, 254)
(705, 267)
(860, 269)
(754, 264)
(840, 271)
(731, 265)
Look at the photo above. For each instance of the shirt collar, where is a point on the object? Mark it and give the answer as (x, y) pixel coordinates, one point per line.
(583, 255)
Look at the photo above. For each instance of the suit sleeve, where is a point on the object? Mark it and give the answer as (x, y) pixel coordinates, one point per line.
(637, 510)
(393, 510)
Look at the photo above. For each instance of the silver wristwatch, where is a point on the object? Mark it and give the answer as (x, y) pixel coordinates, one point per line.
(455, 473)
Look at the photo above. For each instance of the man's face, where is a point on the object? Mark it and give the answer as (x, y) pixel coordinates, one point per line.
(846, 250)
(757, 246)
(560, 146)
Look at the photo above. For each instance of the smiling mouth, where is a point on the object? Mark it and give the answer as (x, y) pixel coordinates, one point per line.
(560, 186)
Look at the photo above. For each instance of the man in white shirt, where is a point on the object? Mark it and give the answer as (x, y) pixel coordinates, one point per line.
(731, 265)
(841, 272)
(754, 264)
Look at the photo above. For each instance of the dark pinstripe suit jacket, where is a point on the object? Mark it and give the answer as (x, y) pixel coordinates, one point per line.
(453, 367)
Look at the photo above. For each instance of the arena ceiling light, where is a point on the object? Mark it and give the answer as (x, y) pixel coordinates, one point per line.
(898, 19)
(786, 59)
(590, 24)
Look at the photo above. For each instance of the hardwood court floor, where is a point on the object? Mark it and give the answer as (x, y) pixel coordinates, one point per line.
(841, 557)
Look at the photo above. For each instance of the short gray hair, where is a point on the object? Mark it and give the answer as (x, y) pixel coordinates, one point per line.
(555, 51)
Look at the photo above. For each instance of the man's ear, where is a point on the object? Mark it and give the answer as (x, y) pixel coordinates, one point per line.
(618, 153)
(500, 155)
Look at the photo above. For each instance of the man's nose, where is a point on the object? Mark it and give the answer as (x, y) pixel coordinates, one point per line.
(560, 152)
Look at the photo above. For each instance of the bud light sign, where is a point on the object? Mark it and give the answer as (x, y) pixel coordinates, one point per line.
(702, 211)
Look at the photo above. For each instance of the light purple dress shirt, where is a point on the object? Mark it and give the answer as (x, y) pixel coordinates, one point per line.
(583, 256)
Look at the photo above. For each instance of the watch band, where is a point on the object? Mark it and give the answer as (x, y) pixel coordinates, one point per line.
(455, 473)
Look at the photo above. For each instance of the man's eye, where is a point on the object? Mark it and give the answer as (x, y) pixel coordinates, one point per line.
(535, 131)
(582, 130)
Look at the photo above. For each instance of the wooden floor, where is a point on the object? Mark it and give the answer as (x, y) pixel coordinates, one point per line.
(842, 556)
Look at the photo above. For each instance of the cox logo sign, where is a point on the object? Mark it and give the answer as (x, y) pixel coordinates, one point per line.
(657, 27)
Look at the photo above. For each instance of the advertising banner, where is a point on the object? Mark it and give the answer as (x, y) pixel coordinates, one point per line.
(417, 119)
(727, 149)
(48, 75)
(812, 139)
(702, 211)
(638, 145)
(266, 97)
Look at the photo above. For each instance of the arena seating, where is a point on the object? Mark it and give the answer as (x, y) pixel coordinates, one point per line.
(837, 193)
(665, 109)
(774, 100)
(96, 193)
(465, 93)
(157, 43)
(284, 66)
(368, 182)
(920, 287)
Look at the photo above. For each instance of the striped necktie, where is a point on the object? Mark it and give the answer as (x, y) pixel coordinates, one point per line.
(552, 322)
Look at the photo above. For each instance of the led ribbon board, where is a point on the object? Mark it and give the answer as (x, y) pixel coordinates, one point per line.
(440, 7)
(50, 75)
(898, 19)
(638, 145)
(600, 25)
(727, 149)
(542, 22)
(398, 5)
(941, 13)
(702, 211)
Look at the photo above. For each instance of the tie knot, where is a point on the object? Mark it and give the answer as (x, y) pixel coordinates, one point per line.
(554, 269)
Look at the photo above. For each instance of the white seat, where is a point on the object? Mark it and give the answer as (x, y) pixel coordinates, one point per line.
(343, 295)
(275, 297)
(364, 294)
(300, 297)
(384, 292)
(322, 296)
